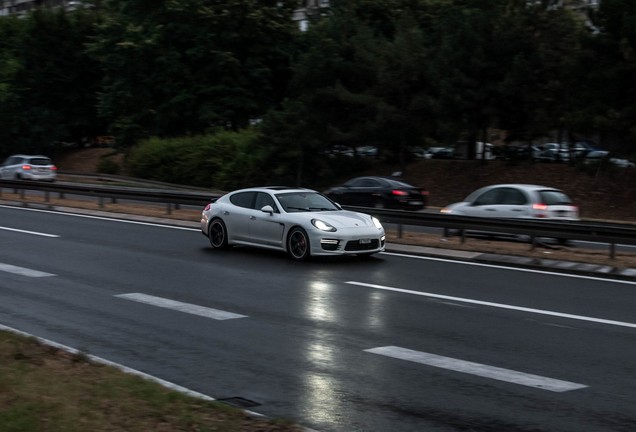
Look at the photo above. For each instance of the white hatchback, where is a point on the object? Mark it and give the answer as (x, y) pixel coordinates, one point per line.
(516, 201)
(28, 167)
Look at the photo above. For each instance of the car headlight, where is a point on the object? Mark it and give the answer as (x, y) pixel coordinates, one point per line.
(376, 222)
(323, 226)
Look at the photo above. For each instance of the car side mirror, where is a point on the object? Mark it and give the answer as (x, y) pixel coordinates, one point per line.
(268, 209)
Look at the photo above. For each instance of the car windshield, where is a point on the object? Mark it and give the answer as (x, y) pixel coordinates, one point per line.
(304, 202)
(554, 197)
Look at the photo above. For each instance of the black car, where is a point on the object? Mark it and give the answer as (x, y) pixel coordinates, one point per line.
(379, 192)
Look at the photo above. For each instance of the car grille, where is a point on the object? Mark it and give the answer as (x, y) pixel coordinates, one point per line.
(355, 245)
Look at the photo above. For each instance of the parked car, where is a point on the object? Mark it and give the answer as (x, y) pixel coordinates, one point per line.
(517, 152)
(552, 152)
(367, 151)
(516, 201)
(379, 192)
(441, 152)
(28, 167)
(301, 222)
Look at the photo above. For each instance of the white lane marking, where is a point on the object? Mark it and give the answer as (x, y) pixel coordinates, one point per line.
(478, 369)
(103, 218)
(181, 307)
(28, 232)
(497, 305)
(23, 271)
(518, 269)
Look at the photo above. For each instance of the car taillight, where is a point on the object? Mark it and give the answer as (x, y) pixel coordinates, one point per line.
(53, 168)
(399, 192)
(425, 192)
(541, 207)
(207, 207)
(26, 167)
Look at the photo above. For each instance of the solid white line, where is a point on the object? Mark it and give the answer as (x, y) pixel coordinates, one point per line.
(28, 232)
(133, 222)
(23, 271)
(497, 305)
(504, 267)
(180, 306)
(478, 369)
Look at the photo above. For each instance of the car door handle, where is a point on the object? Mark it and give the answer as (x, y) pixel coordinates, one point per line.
(225, 212)
(252, 217)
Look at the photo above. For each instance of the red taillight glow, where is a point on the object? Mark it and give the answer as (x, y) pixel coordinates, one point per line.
(399, 192)
(53, 168)
(541, 207)
(26, 167)
(425, 192)
(207, 207)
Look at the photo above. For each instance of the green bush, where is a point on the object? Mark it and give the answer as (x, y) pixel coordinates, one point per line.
(108, 166)
(224, 160)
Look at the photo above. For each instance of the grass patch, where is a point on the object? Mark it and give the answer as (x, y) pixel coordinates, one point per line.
(46, 389)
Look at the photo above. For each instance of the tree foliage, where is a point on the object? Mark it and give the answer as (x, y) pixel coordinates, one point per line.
(389, 73)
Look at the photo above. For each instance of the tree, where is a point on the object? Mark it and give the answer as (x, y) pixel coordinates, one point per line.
(184, 66)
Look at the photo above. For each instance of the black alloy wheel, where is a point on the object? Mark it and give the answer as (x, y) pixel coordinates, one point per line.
(218, 234)
(298, 244)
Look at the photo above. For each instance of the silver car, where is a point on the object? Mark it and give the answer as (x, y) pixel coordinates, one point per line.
(28, 167)
(301, 222)
(516, 201)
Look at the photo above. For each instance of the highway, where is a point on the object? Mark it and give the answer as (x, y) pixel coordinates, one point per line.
(392, 343)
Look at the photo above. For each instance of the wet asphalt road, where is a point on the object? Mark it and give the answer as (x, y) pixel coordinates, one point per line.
(483, 348)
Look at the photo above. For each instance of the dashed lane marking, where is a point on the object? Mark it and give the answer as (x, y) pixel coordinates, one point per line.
(482, 370)
(23, 271)
(181, 307)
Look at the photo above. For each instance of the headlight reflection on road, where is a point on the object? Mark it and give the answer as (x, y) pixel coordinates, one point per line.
(320, 306)
(322, 403)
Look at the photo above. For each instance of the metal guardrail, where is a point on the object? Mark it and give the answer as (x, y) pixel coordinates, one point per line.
(608, 233)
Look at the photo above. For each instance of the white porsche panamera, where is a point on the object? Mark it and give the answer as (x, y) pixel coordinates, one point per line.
(301, 222)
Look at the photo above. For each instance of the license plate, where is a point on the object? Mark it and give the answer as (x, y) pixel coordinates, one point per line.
(365, 241)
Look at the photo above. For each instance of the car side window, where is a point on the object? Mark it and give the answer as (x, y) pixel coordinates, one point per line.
(511, 196)
(487, 198)
(243, 199)
(263, 199)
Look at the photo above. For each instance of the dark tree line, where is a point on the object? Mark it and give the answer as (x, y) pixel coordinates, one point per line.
(389, 73)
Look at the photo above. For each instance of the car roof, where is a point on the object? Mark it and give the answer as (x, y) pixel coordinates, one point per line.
(390, 179)
(30, 156)
(274, 189)
(528, 187)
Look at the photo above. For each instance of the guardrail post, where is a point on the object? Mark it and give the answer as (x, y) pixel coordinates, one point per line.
(533, 242)
(400, 230)
(100, 200)
(61, 195)
(462, 232)
(47, 196)
(612, 250)
(21, 193)
(169, 208)
(113, 200)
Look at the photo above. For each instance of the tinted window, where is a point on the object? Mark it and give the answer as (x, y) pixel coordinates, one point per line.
(487, 198)
(554, 197)
(263, 199)
(40, 161)
(363, 182)
(243, 199)
(511, 196)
